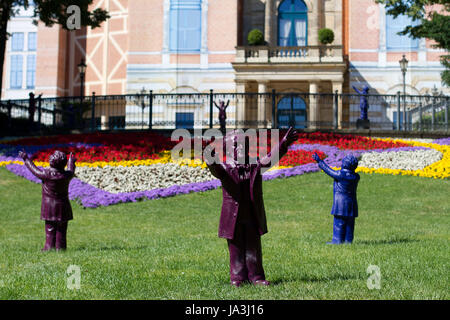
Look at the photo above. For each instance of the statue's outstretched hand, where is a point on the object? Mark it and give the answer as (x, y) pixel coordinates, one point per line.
(23, 155)
(316, 157)
(72, 157)
(291, 136)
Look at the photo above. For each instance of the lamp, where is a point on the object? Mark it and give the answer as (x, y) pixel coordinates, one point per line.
(404, 67)
(82, 70)
(142, 101)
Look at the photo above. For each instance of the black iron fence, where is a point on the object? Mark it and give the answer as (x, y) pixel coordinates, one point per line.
(243, 110)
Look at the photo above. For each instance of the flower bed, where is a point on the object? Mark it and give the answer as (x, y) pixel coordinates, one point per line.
(128, 167)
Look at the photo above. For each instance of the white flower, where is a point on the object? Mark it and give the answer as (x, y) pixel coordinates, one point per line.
(406, 160)
(141, 178)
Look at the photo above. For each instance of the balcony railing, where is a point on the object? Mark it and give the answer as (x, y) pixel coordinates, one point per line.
(308, 54)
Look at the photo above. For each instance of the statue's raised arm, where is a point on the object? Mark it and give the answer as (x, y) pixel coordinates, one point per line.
(356, 89)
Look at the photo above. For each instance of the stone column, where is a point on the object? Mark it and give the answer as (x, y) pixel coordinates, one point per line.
(166, 33)
(268, 22)
(315, 22)
(313, 106)
(262, 99)
(240, 105)
(337, 86)
(204, 36)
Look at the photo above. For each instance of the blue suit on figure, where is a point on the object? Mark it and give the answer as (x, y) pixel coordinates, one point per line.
(345, 206)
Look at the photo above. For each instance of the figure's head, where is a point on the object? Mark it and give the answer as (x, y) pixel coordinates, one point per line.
(58, 160)
(350, 162)
(365, 89)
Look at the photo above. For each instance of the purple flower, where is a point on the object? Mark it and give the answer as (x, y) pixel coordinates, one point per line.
(443, 141)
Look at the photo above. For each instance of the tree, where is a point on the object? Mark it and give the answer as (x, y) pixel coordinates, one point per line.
(433, 23)
(50, 12)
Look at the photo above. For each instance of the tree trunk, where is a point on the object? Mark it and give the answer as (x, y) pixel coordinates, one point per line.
(4, 17)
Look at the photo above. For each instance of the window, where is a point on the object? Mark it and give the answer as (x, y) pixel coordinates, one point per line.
(17, 41)
(16, 72)
(31, 71)
(184, 120)
(292, 23)
(32, 43)
(395, 41)
(291, 112)
(185, 25)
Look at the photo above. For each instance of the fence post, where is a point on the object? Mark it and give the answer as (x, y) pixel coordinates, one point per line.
(420, 116)
(335, 109)
(446, 114)
(39, 111)
(274, 106)
(150, 110)
(405, 118)
(93, 112)
(398, 110)
(54, 116)
(433, 114)
(9, 106)
(211, 106)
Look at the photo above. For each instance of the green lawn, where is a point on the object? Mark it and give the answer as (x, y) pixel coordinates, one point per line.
(169, 249)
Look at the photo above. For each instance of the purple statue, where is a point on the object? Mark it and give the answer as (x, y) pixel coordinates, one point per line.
(345, 206)
(363, 103)
(222, 114)
(31, 109)
(55, 209)
(243, 217)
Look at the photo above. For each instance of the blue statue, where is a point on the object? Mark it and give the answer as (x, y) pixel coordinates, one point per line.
(363, 103)
(345, 206)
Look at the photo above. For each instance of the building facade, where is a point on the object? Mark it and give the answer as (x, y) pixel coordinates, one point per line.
(374, 51)
(194, 46)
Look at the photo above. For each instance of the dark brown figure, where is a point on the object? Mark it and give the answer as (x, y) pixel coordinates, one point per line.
(31, 110)
(243, 217)
(222, 114)
(55, 209)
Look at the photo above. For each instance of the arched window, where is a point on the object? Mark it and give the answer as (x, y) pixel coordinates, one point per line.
(395, 41)
(292, 23)
(185, 25)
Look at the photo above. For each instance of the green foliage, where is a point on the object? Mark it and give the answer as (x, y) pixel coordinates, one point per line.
(52, 12)
(432, 24)
(255, 38)
(326, 36)
(169, 249)
(439, 120)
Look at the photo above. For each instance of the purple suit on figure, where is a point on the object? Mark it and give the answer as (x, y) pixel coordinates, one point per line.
(243, 217)
(55, 208)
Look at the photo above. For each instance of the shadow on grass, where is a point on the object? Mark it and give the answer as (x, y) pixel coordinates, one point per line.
(312, 278)
(110, 248)
(386, 241)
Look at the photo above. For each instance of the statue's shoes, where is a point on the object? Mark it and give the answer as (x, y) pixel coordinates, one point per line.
(236, 283)
(331, 242)
(261, 283)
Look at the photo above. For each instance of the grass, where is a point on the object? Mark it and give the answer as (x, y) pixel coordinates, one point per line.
(169, 249)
